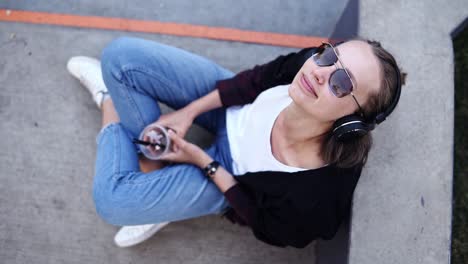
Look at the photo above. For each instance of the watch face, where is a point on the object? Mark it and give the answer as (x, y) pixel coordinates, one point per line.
(211, 168)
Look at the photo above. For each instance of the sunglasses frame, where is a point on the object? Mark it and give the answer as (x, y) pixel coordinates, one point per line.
(323, 46)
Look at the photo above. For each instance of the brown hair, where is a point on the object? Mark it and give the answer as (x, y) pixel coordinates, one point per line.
(355, 152)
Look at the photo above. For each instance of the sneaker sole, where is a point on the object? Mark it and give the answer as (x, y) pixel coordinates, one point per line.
(148, 234)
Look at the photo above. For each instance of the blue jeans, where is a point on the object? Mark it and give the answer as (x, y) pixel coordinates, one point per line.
(138, 74)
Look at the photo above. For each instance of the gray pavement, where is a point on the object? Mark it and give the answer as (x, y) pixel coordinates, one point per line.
(48, 123)
(46, 213)
(301, 17)
(403, 203)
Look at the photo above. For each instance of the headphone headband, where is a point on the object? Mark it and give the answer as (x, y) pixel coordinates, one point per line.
(380, 117)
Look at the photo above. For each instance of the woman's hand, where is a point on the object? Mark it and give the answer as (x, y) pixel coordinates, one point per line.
(179, 120)
(183, 151)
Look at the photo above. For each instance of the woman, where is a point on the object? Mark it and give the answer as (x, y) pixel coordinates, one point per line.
(291, 136)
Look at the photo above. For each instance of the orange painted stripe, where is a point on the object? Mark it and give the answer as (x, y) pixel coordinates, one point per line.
(177, 29)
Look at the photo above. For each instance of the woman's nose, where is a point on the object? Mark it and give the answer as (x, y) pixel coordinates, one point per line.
(322, 73)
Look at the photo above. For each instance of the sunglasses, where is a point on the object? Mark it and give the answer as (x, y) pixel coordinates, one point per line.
(340, 82)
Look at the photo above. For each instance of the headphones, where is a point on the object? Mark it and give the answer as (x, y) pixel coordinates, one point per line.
(355, 126)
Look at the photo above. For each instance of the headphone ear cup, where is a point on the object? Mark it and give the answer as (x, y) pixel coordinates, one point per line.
(350, 127)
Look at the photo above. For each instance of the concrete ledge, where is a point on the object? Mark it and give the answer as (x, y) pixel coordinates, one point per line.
(403, 203)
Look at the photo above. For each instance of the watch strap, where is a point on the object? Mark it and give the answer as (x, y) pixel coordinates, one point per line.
(211, 169)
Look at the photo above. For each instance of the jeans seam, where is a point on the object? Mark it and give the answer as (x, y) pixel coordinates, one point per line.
(117, 151)
(104, 130)
(136, 111)
(156, 75)
(120, 175)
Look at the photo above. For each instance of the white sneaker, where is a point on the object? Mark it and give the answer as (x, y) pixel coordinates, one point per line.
(132, 235)
(88, 71)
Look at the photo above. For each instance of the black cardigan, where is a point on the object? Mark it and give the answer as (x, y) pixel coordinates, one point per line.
(285, 208)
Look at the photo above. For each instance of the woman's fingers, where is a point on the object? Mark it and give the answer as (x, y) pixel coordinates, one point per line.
(170, 129)
(178, 142)
(175, 140)
(169, 156)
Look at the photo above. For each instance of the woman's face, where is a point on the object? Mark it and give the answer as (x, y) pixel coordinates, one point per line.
(362, 65)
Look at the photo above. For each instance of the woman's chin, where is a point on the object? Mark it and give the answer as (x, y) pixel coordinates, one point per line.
(299, 97)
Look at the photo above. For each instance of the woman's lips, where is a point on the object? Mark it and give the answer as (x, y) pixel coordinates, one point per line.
(305, 83)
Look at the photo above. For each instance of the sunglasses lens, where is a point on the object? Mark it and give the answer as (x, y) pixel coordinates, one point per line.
(340, 83)
(325, 56)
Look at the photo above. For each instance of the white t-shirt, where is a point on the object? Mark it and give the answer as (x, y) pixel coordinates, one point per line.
(249, 131)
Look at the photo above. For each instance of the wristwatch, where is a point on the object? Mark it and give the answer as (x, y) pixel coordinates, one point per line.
(211, 169)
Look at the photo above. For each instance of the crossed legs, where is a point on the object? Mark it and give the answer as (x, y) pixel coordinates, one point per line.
(109, 115)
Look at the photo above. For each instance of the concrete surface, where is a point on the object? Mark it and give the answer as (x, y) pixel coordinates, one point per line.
(48, 124)
(298, 17)
(403, 203)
